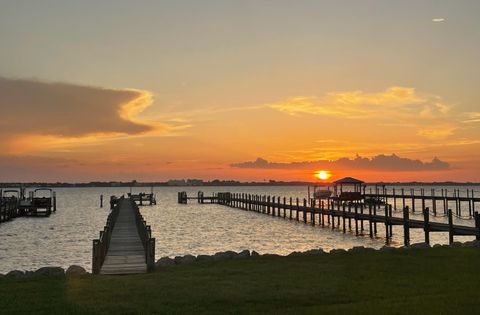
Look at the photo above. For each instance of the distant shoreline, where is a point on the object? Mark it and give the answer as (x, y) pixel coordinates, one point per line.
(217, 183)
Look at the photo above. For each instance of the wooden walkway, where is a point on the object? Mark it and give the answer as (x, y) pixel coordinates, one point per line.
(341, 216)
(129, 247)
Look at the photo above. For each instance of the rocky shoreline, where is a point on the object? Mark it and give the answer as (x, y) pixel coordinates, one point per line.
(245, 254)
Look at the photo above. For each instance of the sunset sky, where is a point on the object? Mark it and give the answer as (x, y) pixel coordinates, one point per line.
(244, 90)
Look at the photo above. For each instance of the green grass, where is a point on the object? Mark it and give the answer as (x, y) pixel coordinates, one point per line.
(416, 281)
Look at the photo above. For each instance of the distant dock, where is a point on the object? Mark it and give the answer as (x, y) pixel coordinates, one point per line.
(362, 214)
(22, 203)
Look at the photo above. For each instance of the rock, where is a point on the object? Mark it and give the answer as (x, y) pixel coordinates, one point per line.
(437, 245)
(361, 249)
(457, 244)
(271, 255)
(318, 251)
(204, 258)
(419, 245)
(387, 249)
(75, 270)
(338, 251)
(187, 259)
(295, 254)
(164, 262)
(473, 243)
(50, 271)
(254, 254)
(243, 254)
(15, 274)
(224, 255)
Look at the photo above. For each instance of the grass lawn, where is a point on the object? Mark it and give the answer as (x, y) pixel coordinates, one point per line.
(415, 281)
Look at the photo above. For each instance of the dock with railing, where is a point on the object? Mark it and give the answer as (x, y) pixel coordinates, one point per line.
(125, 245)
(356, 216)
(22, 203)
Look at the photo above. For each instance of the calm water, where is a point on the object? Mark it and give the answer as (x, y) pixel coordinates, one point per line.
(65, 238)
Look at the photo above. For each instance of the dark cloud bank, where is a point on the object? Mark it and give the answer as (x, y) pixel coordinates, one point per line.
(380, 162)
(60, 109)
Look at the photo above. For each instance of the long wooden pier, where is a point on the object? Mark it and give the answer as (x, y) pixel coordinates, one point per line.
(125, 246)
(352, 216)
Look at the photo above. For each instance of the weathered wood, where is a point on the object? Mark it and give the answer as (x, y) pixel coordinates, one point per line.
(125, 246)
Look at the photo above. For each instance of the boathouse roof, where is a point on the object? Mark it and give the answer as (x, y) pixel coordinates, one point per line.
(348, 180)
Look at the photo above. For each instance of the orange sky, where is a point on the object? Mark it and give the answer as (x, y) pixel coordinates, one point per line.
(166, 93)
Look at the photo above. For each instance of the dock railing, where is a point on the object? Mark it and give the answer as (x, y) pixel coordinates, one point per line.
(8, 208)
(100, 245)
(145, 233)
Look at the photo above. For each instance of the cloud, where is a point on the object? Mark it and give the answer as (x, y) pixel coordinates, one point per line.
(395, 105)
(438, 20)
(32, 108)
(380, 162)
(472, 117)
(401, 101)
(70, 110)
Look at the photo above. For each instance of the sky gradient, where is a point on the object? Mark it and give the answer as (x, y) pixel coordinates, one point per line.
(247, 90)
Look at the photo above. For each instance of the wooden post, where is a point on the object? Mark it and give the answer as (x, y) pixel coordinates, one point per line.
(386, 224)
(322, 209)
(375, 222)
(394, 200)
(356, 219)
(343, 215)
(406, 226)
(284, 209)
(426, 224)
(101, 201)
(273, 206)
(412, 192)
(450, 226)
(333, 218)
(304, 210)
(361, 220)
(477, 225)
(370, 231)
(312, 211)
(297, 209)
(290, 208)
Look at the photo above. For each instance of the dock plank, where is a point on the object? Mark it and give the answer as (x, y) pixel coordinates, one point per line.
(126, 254)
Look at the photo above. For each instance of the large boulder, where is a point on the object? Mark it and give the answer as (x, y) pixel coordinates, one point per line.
(419, 245)
(164, 262)
(224, 255)
(315, 251)
(75, 270)
(15, 274)
(243, 254)
(204, 258)
(387, 249)
(187, 259)
(338, 251)
(50, 271)
(473, 243)
(254, 254)
(360, 249)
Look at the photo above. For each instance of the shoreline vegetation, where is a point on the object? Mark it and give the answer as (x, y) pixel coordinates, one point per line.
(216, 182)
(415, 280)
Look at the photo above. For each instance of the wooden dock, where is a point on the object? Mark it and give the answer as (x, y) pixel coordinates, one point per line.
(359, 217)
(17, 203)
(125, 245)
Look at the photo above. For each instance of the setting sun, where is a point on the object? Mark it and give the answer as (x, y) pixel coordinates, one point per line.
(323, 175)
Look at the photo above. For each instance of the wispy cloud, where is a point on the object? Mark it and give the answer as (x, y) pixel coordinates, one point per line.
(380, 162)
(438, 20)
(394, 106)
